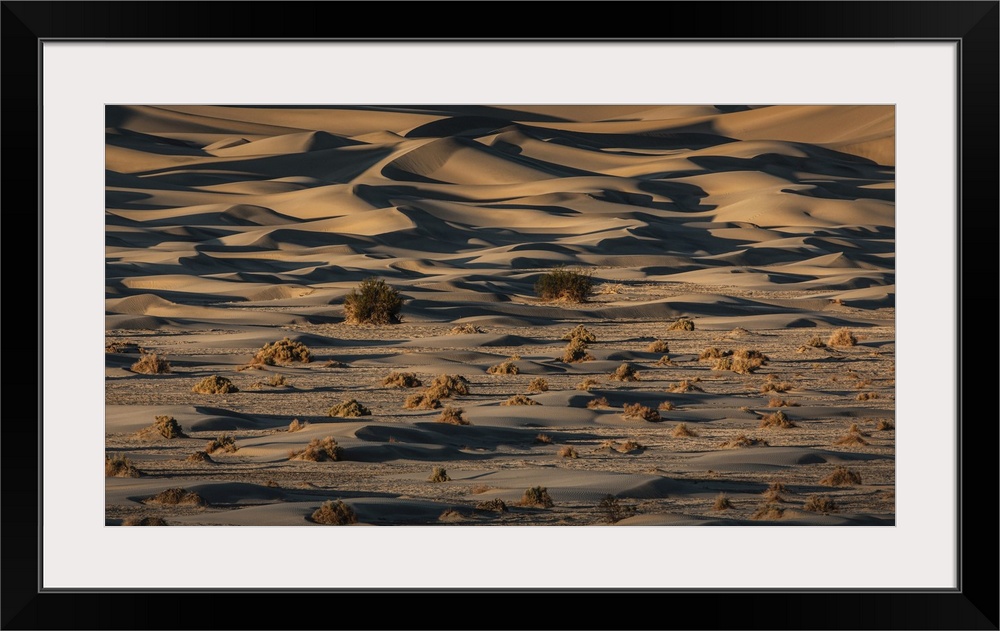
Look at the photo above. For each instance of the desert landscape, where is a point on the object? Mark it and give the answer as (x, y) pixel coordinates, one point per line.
(525, 315)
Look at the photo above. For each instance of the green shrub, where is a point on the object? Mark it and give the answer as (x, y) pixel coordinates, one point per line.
(373, 302)
(565, 285)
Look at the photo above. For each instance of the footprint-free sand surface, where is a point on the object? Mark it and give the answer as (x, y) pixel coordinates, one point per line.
(769, 228)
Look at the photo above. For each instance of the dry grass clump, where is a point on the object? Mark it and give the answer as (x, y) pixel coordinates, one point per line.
(774, 491)
(625, 372)
(564, 285)
(722, 502)
(681, 430)
(598, 402)
(866, 396)
(576, 351)
(504, 368)
(852, 438)
(152, 364)
(856, 429)
(543, 439)
(452, 416)
(628, 447)
(296, 425)
(496, 505)
(775, 386)
(446, 386)
(199, 456)
(713, 353)
(816, 342)
(777, 419)
(841, 476)
(658, 346)
(884, 425)
(122, 346)
(537, 385)
(421, 401)
(177, 496)
(319, 450)
(402, 380)
(613, 511)
(842, 337)
(768, 512)
(278, 381)
(743, 361)
(683, 324)
(738, 332)
(775, 402)
(520, 399)
(333, 363)
(144, 521)
(665, 361)
(438, 474)
(567, 451)
(587, 384)
(168, 427)
(465, 329)
(611, 289)
(334, 514)
(222, 442)
(284, 351)
(744, 441)
(349, 408)
(665, 406)
(373, 302)
(820, 504)
(536, 496)
(214, 384)
(580, 332)
(644, 412)
(686, 385)
(119, 466)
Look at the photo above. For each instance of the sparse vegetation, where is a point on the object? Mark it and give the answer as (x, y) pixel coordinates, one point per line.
(580, 332)
(576, 351)
(296, 425)
(438, 474)
(543, 439)
(402, 380)
(722, 502)
(119, 466)
(666, 406)
(452, 416)
(319, 450)
(777, 419)
(774, 491)
(640, 411)
(884, 425)
(446, 386)
(625, 372)
(565, 285)
(816, 342)
(465, 329)
(144, 521)
(223, 442)
(681, 430)
(713, 353)
(334, 514)
(537, 385)
(743, 361)
(866, 396)
(613, 511)
(851, 439)
(629, 446)
(177, 497)
(820, 504)
(665, 361)
(520, 399)
(537, 496)
(744, 441)
(278, 381)
(214, 384)
(348, 408)
(686, 385)
(598, 402)
(373, 302)
(504, 368)
(768, 512)
(566, 451)
(587, 384)
(682, 324)
(165, 427)
(775, 402)
(199, 457)
(842, 337)
(122, 346)
(658, 346)
(496, 505)
(421, 401)
(152, 364)
(775, 386)
(284, 351)
(841, 476)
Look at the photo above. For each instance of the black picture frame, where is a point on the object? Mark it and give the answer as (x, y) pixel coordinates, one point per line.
(973, 605)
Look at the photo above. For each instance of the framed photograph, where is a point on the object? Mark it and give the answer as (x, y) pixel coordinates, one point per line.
(629, 318)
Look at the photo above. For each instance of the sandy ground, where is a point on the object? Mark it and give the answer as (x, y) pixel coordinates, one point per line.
(232, 227)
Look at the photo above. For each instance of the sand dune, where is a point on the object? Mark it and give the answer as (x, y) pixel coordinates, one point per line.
(232, 227)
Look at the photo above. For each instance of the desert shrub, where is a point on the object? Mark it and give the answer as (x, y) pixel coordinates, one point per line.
(565, 285)
(851, 439)
(214, 384)
(743, 441)
(768, 512)
(611, 289)
(421, 401)
(629, 446)
(576, 351)
(445, 386)
(538, 385)
(775, 402)
(638, 410)
(296, 425)
(144, 521)
(332, 513)
(613, 511)
(373, 302)
(152, 364)
(774, 491)
(713, 353)
(884, 425)
(465, 329)
(438, 474)
(866, 396)
(816, 342)
(722, 502)
(598, 402)
(686, 385)
(658, 346)
(122, 346)
(278, 381)
(495, 505)
(537, 496)
(842, 337)
(666, 406)
(333, 363)
(841, 476)
(319, 450)
(683, 324)
(199, 456)
(775, 386)
(504, 368)
(820, 504)
(222, 442)
(168, 427)
(520, 399)
(743, 361)
(479, 489)
(284, 351)
(624, 372)
(349, 408)
(580, 332)
(665, 361)
(543, 439)
(119, 466)
(402, 380)
(587, 384)
(567, 451)
(177, 496)
(776, 419)
(682, 430)
(856, 429)
(452, 416)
